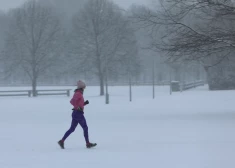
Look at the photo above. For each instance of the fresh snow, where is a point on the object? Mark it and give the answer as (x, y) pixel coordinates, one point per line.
(192, 129)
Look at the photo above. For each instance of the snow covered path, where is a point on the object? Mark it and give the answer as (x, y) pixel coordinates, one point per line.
(193, 129)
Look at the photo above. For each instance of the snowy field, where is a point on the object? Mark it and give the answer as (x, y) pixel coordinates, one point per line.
(193, 129)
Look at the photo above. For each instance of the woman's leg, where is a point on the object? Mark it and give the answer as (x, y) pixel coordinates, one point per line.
(72, 128)
(84, 126)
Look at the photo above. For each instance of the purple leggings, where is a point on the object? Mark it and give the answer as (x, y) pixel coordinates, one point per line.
(77, 118)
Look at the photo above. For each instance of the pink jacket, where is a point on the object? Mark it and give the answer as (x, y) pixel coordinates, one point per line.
(77, 100)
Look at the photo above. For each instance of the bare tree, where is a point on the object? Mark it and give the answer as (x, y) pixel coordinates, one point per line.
(3, 28)
(192, 30)
(98, 38)
(4, 25)
(33, 40)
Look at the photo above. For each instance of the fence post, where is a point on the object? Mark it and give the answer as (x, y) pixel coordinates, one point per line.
(181, 87)
(29, 93)
(68, 93)
(106, 98)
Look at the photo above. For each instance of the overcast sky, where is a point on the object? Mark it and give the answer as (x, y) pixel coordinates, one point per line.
(7, 4)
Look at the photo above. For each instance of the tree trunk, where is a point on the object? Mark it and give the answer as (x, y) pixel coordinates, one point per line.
(34, 85)
(101, 78)
(130, 86)
(220, 79)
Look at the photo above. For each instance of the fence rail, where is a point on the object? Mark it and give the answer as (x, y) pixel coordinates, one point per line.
(191, 85)
(16, 93)
(38, 92)
(53, 92)
(176, 86)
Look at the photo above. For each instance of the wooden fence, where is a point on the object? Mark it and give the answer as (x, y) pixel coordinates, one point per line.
(16, 93)
(191, 85)
(38, 92)
(53, 92)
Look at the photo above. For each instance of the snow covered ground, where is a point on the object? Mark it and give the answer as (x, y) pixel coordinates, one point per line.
(193, 129)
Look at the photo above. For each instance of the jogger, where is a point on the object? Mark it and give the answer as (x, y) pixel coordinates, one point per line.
(78, 115)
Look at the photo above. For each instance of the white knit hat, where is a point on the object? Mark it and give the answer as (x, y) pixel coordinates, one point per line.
(81, 84)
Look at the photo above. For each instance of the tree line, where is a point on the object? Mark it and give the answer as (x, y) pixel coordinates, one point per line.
(199, 31)
(98, 41)
(38, 41)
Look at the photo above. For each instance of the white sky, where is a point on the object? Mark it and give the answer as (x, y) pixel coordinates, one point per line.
(7, 4)
(127, 3)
